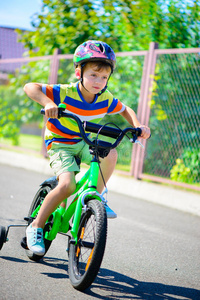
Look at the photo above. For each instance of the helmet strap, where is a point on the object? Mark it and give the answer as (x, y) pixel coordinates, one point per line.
(81, 78)
(106, 86)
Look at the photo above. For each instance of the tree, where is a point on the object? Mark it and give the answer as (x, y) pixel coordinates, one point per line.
(124, 24)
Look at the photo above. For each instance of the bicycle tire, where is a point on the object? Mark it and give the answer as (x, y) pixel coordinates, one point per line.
(39, 197)
(85, 258)
(2, 236)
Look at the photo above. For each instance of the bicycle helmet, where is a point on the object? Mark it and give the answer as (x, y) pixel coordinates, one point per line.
(94, 51)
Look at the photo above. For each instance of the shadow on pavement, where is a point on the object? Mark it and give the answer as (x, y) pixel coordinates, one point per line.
(118, 286)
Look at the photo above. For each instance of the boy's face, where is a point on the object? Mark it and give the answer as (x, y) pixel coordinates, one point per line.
(94, 79)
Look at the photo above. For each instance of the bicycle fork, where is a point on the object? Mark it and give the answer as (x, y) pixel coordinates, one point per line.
(87, 192)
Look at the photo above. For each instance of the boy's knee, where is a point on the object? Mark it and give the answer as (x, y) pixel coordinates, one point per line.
(113, 155)
(67, 189)
(111, 159)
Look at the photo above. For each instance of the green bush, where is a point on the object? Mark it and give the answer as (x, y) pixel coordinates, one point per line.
(187, 168)
(10, 118)
(180, 172)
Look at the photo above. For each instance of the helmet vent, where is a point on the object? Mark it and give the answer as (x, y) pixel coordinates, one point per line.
(101, 47)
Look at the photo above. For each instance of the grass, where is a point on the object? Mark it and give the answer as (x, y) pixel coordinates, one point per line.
(26, 141)
(125, 168)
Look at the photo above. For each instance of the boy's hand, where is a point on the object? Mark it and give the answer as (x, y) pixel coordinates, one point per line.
(51, 110)
(146, 133)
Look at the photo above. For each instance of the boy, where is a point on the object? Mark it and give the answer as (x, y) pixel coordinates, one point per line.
(88, 98)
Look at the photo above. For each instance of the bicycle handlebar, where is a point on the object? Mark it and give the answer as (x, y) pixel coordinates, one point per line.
(108, 131)
(103, 130)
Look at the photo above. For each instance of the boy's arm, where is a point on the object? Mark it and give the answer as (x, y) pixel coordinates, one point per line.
(34, 91)
(132, 119)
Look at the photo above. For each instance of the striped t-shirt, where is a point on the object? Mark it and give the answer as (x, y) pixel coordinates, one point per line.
(65, 130)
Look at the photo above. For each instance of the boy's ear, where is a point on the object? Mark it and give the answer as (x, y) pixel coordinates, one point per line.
(78, 73)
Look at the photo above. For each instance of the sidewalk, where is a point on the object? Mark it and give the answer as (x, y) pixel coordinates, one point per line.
(156, 193)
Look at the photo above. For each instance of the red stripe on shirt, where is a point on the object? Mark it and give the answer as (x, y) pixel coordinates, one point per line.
(49, 92)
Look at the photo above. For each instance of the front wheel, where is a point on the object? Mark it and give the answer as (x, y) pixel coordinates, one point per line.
(85, 258)
(37, 201)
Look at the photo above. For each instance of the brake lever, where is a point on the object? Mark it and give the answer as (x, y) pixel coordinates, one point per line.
(135, 140)
(139, 143)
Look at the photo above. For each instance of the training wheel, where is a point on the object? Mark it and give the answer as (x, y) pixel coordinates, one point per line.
(2, 236)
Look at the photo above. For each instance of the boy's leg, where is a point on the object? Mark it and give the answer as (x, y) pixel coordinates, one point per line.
(107, 166)
(66, 186)
(34, 231)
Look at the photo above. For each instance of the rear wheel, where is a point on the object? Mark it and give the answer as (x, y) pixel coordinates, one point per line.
(2, 236)
(85, 258)
(38, 199)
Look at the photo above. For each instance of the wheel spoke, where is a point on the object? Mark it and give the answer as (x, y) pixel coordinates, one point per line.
(89, 260)
(86, 245)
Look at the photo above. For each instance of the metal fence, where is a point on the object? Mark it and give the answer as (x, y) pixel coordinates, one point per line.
(166, 82)
(170, 104)
(175, 119)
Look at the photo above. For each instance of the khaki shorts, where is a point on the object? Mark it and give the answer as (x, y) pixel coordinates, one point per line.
(63, 158)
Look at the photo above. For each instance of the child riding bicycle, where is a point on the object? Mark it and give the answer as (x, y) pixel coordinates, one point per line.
(90, 100)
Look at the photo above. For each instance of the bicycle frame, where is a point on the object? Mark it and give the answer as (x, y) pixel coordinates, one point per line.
(86, 188)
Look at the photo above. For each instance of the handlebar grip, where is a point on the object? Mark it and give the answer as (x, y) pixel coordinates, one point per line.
(139, 130)
(60, 111)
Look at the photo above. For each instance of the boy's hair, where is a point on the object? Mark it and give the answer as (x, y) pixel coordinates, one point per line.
(97, 65)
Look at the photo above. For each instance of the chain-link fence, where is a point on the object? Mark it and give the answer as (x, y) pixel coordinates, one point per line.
(16, 108)
(175, 119)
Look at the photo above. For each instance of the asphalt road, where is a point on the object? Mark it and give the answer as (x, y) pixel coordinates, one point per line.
(152, 251)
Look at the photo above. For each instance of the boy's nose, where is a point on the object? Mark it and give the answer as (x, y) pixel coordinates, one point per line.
(97, 79)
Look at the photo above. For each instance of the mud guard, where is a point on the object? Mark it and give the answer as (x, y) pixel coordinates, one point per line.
(52, 182)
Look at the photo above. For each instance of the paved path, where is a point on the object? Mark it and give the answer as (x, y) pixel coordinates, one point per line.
(152, 251)
(157, 193)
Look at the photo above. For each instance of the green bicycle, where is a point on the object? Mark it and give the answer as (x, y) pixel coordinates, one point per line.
(84, 221)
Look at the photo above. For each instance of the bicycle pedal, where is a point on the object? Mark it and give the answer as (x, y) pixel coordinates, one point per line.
(24, 243)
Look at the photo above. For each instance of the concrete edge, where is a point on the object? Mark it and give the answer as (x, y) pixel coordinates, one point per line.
(156, 193)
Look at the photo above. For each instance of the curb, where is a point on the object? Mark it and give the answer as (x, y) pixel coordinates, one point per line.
(156, 193)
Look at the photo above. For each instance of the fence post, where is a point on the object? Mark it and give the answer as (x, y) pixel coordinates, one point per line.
(54, 67)
(143, 112)
(52, 80)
